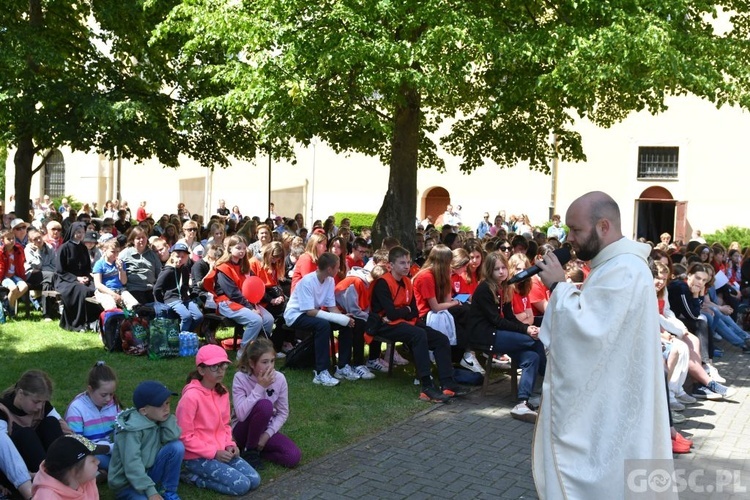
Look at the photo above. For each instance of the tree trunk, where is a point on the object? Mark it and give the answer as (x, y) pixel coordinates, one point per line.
(397, 214)
(24, 162)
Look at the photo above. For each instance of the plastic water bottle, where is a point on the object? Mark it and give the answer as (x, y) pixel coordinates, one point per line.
(183, 344)
(194, 344)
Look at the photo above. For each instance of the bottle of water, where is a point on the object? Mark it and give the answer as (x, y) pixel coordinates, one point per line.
(183, 345)
(194, 344)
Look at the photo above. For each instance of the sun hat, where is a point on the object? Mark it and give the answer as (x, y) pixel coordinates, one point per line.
(18, 222)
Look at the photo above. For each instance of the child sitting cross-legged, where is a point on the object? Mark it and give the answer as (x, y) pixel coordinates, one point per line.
(212, 459)
(148, 451)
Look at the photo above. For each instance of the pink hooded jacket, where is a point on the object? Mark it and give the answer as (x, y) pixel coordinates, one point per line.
(46, 487)
(203, 415)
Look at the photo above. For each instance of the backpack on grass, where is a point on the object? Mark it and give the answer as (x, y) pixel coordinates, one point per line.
(302, 356)
(109, 329)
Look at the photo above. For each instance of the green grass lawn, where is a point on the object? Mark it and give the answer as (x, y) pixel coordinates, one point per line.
(322, 419)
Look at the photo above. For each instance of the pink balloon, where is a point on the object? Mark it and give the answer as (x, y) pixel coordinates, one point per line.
(253, 289)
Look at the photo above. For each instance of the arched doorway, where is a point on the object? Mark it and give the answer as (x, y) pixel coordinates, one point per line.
(656, 213)
(434, 202)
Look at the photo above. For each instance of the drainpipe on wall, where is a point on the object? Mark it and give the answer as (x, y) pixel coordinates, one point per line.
(119, 177)
(555, 166)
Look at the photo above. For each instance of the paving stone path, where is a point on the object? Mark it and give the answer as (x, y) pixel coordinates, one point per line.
(472, 448)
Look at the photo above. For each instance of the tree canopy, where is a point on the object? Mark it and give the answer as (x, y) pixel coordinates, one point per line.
(83, 74)
(488, 81)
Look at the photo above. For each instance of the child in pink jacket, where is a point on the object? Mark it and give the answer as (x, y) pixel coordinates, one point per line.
(212, 459)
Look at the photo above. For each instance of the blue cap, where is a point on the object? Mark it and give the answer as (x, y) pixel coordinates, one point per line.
(179, 247)
(151, 393)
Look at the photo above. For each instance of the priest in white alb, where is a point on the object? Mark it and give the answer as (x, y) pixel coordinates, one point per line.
(603, 398)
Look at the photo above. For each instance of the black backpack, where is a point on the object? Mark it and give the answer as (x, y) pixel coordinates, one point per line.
(302, 356)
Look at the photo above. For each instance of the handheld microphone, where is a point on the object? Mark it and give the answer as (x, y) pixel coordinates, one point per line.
(562, 254)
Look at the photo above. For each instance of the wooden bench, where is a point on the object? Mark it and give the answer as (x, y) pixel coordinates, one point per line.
(513, 373)
(214, 321)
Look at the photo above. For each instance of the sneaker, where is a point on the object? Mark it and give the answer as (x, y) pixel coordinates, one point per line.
(345, 372)
(682, 439)
(170, 495)
(363, 372)
(280, 355)
(717, 337)
(398, 360)
(501, 363)
(253, 458)
(703, 392)
(188, 478)
(714, 374)
(677, 418)
(722, 390)
(718, 353)
(524, 411)
(676, 405)
(679, 447)
(378, 365)
(686, 398)
(433, 395)
(324, 378)
(452, 390)
(470, 362)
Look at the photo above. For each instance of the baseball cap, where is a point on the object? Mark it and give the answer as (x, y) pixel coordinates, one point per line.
(66, 451)
(179, 247)
(18, 222)
(151, 393)
(211, 354)
(91, 237)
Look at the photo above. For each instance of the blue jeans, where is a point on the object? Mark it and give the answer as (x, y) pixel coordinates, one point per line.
(165, 471)
(530, 356)
(728, 329)
(251, 320)
(104, 461)
(322, 334)
(235, 477)
(190, 314)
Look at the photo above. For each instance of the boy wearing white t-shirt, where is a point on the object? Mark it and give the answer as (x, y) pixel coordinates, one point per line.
(312, 306)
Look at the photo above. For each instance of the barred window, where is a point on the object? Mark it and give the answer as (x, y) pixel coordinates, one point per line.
(658, 162)
(54, 175)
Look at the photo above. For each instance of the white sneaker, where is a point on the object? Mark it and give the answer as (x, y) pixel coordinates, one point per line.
(363, 372)
(345, 372)
(502, 362)
(470, 362)
(280, 355)
(523, 411)
(686, 398)
(324, 378)
(378, 365)
(398, 360)
(714, 374)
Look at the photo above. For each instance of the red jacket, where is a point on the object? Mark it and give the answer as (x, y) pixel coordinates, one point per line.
(20, 259)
